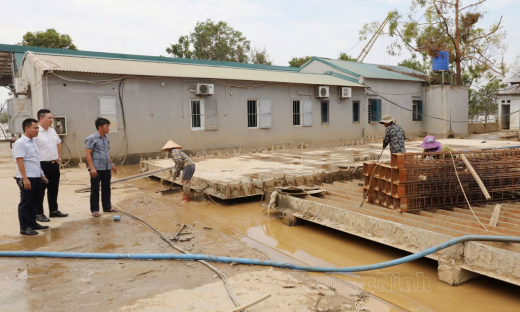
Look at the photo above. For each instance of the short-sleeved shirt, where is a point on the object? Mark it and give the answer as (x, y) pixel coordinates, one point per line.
(181, 161)
(47, 142)
(100, 151)
(26, 148)
(395, 136)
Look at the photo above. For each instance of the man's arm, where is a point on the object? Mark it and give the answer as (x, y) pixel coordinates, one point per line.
(93, 171)
(59, 154)
(386, 140)
(21, 167)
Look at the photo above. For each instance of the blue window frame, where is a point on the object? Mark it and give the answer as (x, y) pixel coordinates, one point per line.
(374, 110)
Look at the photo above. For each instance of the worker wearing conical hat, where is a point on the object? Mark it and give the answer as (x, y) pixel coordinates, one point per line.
(394, 135)
(184, 163)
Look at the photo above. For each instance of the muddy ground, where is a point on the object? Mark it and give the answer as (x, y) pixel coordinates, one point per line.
(44, 284)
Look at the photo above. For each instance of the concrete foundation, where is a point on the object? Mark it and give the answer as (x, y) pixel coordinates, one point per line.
(453, 275)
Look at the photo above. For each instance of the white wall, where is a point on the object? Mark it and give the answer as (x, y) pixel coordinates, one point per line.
(514, 105)
(449, 103)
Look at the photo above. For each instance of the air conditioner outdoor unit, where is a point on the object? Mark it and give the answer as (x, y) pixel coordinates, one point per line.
(205, 89)
(20, 85)
(322, 92)
(345, 92)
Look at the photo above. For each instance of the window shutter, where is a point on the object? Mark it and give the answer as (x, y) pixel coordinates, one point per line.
(264, 114)
(107, 109)
(378, 111)
(210, 114)
(307, 113)
(419, 110)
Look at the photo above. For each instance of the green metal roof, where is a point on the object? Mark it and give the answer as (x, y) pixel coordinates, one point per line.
(23, 49)
(371, 70)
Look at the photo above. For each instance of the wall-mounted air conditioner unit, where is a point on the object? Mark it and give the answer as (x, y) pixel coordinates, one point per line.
(345, 92)
(204, 89)
(20, 86)
(322, 91)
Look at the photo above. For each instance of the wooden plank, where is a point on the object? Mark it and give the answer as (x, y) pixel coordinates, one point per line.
(475, 175)
(494, 217)
(130, 178)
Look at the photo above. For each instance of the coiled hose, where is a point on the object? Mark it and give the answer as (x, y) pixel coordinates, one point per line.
(285, 265)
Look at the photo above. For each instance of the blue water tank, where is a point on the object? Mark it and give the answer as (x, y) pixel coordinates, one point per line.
(441, 62)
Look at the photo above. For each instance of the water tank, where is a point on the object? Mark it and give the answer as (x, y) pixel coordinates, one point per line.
(441, 62)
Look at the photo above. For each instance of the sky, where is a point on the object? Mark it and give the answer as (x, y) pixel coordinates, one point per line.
(285, 28)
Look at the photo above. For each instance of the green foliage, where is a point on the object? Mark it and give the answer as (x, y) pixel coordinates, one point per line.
(430, 27)
(416, 64)
(218, 42)
(3, 118)
(299, 61)
(484, 101)
(48, 39)
(345, 57)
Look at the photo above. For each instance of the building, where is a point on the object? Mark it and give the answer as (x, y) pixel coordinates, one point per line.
(509, 102)
(205, 105)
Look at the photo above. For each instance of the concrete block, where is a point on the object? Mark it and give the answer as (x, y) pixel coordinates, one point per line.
(290, 220)
(453, 275)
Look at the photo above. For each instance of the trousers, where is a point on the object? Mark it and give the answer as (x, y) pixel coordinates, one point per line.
(29, 201)
(52, 172)
(103, 177)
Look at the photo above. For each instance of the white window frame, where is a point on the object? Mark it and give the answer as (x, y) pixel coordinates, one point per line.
(256, 113)
(301, 112)
(201, 113)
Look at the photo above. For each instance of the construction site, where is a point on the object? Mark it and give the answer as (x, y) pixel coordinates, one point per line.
(334, 184)
(335, 206)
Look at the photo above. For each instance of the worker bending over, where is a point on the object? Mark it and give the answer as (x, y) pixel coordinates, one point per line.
(184, 163)
(394, 135)
(431, 145)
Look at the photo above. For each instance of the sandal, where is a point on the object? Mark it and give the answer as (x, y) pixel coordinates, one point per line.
(111, 210)
(96, 214)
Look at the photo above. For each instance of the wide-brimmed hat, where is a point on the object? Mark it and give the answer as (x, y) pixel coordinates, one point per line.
(429, 142)
(386, 119)
(170, 145)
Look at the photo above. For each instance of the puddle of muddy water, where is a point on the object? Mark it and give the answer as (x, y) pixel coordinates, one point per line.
(412, 286)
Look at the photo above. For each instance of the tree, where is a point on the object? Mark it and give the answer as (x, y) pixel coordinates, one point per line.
(299, 61)
(484, 101)
(260, 56)
(217, 42)
(48, 39)
(448, 25)
(415, 64)
(345, 57)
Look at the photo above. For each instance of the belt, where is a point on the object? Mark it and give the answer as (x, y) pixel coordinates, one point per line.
(48, 162)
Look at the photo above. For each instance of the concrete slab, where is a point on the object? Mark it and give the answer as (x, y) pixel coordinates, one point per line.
(231, 176)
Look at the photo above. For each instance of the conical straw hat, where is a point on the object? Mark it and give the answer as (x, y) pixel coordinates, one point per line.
(171, 145)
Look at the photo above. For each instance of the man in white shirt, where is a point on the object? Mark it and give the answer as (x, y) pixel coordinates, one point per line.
(29, 176)
(49, 148)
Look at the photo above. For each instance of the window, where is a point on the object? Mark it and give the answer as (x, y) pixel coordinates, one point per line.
(196, 115)
(417, 111)
(508, 101)
(503, 101)
(374, 110)
(252, 114)
(355, 112)
(107, 109)
(297, 113)
(324, 112)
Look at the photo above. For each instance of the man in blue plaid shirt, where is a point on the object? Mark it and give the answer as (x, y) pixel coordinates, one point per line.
(184, 163)
(100, 166)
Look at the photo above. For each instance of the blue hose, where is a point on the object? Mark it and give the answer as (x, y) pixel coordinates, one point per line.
(285, 265)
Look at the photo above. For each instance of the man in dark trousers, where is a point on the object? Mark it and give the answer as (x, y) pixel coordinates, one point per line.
(394, 135)
(100, 166)
(49, 149)
(29, 176)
